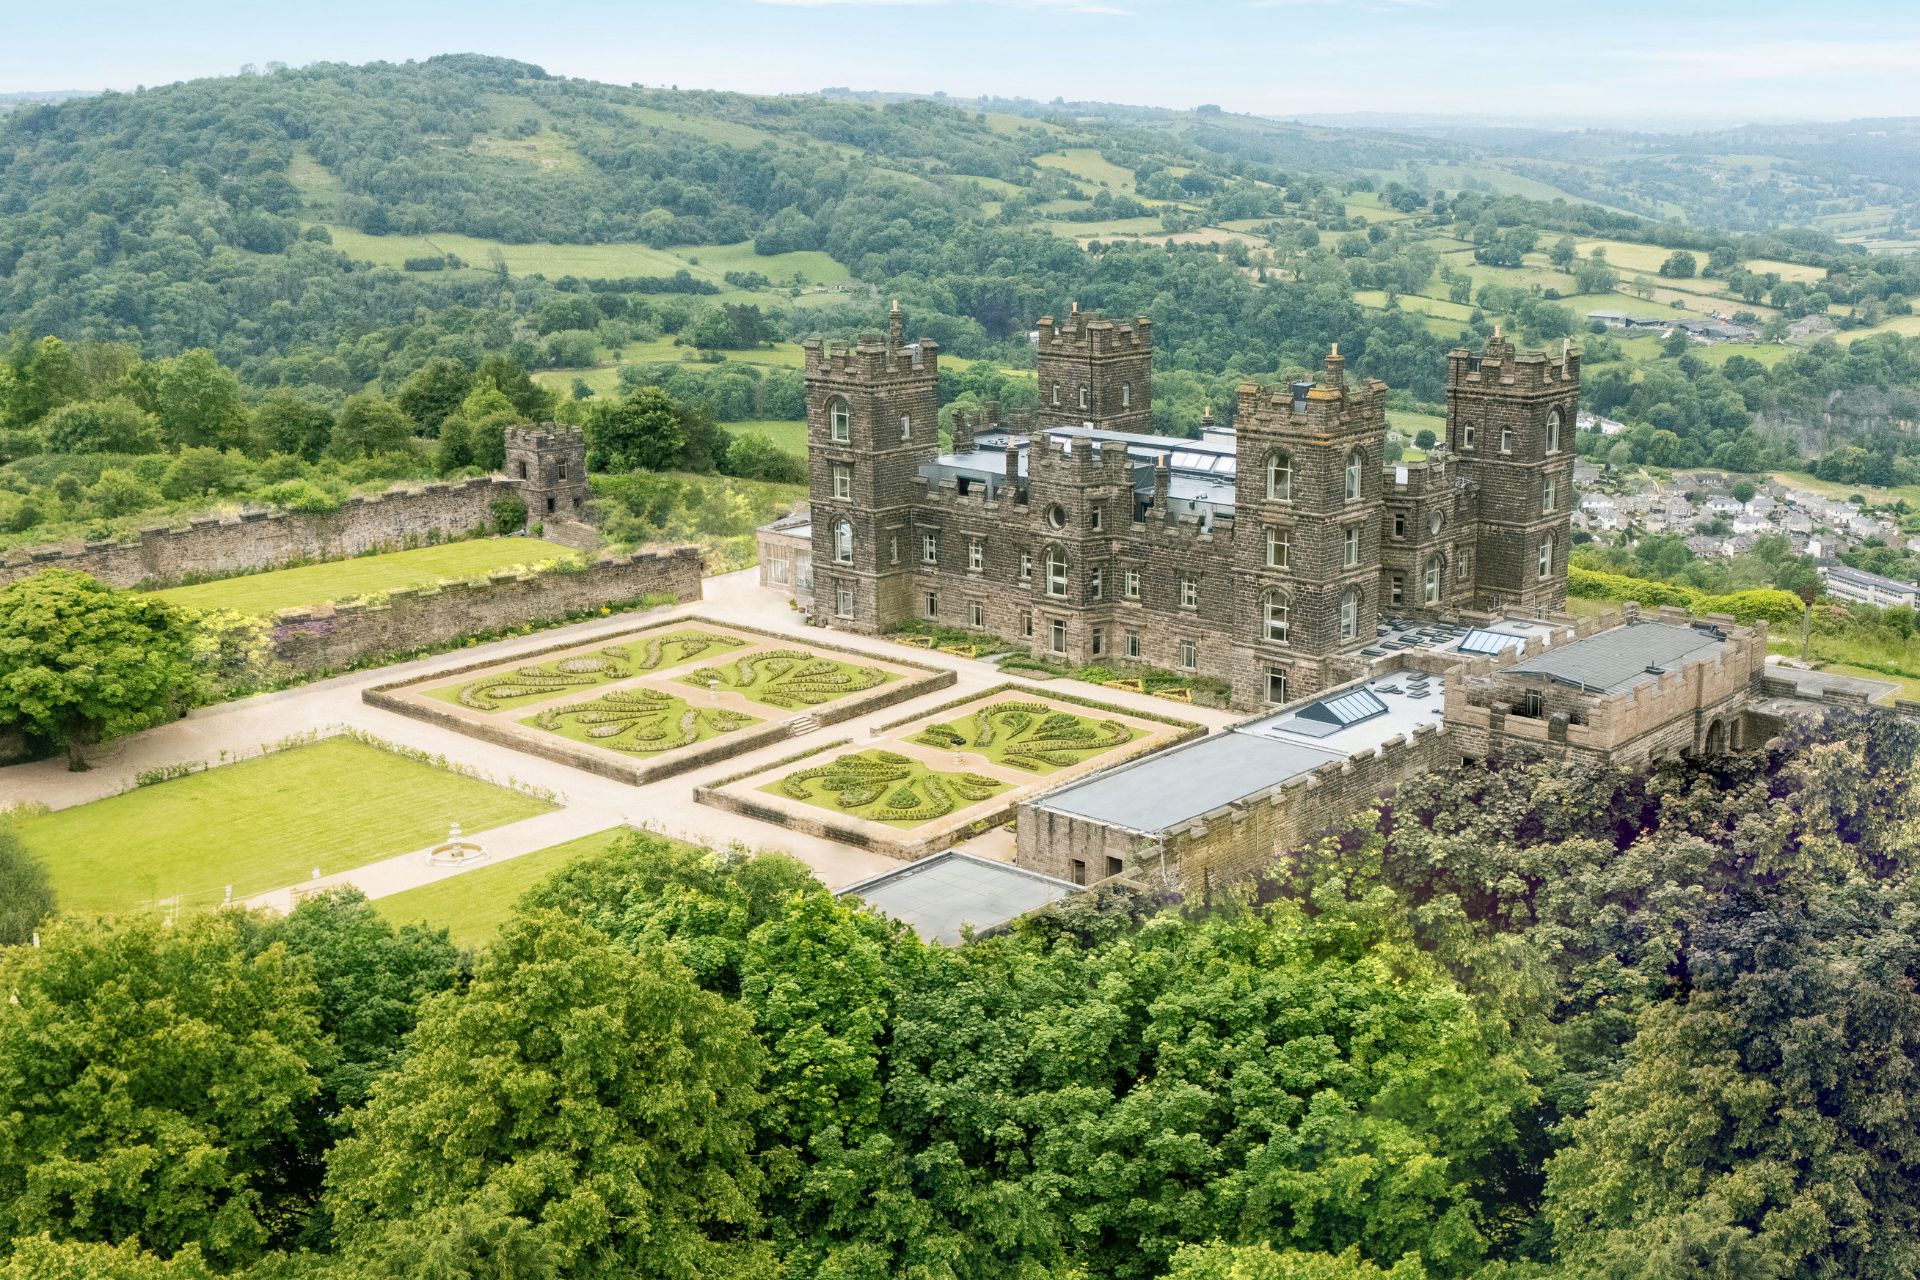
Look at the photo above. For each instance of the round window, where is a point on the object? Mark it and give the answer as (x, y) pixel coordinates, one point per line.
(1057, 516)
(1433, 523)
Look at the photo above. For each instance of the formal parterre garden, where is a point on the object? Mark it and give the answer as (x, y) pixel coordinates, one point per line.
(1033, 736)
(791, 679)
(886, 787)
(640, 720)
(577, 673)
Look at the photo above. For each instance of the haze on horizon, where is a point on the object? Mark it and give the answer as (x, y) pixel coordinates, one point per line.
(1640, 61)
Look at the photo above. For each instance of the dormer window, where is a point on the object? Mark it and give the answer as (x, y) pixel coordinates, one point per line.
(839, 429)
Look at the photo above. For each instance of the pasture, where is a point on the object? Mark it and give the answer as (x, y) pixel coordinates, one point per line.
(472, 905)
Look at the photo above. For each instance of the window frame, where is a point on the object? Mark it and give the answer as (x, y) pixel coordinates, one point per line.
(930, 548)
(1279, 476)
(843, 541)
(839, 420)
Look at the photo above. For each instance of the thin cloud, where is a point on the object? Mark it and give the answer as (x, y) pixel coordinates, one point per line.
(1788, 60)
(1058, 6)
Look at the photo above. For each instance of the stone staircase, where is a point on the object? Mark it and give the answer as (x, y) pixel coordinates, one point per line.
(801, 726)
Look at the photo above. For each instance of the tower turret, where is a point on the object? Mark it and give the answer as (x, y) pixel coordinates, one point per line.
(551, 462)
(1095, 370)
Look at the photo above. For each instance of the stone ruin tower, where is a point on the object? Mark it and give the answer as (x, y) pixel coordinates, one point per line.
(550, 462)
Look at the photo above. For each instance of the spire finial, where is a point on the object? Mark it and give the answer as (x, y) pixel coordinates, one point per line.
(895, 308)
(1496, 330)
(1073, 306)
(1335, 353)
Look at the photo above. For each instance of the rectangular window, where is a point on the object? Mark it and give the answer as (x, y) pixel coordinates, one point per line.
(1058, 636)
(803, 573)
(1460, 569)
(1126, 394)
(1189, 594)
(837, 421)
(842, 481)
(1056, 574)
(1026, 624)
(1399, 524)
(1546, 558)
(1189, 655)
(933, 605)
(1096, 585)
(1085, 396)
(975, 616)
(1506, 439)
(1026, 566)
(893, 549)
(843, 601)
(1277, 622)
(976, 555)
(1056, 395)
(1352, 554)
(1466, 435)
(1093, 519)
(1396, 590)
(1546, 496)
(1099, 641)
(1114, 866)
(1131, 584)
(929, 549)
(1079, 870)
(906, 426)
(777, 569)
(1133, 644)
(1276, 685)
(1532, 704)
(1279, 549)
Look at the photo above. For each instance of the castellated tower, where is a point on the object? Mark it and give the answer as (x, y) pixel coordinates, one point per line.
(551, 462)
(1510, 421)
(1307, 518)
(1095, 370)
(872, 419)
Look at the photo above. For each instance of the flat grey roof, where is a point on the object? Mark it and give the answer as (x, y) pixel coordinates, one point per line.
(939, 896)
(1174, 786)
(1617, 660)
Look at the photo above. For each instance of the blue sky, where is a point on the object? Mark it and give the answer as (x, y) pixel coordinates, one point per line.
(1641, 59)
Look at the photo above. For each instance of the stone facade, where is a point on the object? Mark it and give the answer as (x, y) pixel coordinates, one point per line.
(550, 462)
(336, 636)
(212, 546)
(1261, 554)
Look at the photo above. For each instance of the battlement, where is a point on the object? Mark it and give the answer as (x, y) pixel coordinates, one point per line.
(1501, 364)
(1326, 405)
(545, 435)
(872, 357)
(1078, 461)
(1088, 333)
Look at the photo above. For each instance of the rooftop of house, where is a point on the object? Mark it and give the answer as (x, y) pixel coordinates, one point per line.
(1179, 785)
(943, 896)
(1622, 658)
(1861, 578)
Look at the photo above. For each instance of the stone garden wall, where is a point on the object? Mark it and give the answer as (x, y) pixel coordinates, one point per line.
(211, 546)
(334, 636)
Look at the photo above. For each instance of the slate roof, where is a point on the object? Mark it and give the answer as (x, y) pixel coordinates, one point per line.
(1617, 660)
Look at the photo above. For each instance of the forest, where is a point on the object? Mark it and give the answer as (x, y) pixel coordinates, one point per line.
(1520, 1021)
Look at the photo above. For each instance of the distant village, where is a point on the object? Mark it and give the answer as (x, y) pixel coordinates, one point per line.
(1710, 330)
(1814, 525)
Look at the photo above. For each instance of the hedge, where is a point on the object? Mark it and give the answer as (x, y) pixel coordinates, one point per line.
(1759, 604)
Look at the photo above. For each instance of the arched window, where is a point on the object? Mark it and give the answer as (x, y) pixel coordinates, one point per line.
(1355, 460)
(1546, 557)
(1056, 572)
(1279, 476)
(1430, 584)
(838, 420)
(1553, 431)
(1275, 617)
(843, 541)
(1350, 614)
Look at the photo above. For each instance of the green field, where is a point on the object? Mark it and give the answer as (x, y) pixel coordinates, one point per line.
(792, 679)
(1087, 164)
(788, 437)
(580, 672)
(885, 787)
(258, 825)
(640, 721)
(265, 593)
(474, 904)
(1033, 736)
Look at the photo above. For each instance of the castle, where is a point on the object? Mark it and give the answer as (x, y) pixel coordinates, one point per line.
(1269, 553)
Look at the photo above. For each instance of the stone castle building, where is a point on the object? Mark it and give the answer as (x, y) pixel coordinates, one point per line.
(1264, 553)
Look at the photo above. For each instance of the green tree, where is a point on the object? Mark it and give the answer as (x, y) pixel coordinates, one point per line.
(82, 663)
(289, 424)
(1262, 1262)
(117, 425)
(151, 1073)
(510, 379)
(580, 1110)
(1743, 491)
(1563, 252)
(52, 377)
(368, 424)
(434, 391)
(40, 1257)
(1680, 265)
(26, 894)
(197, 402)
(200, 472)
(118, 492)
(645, 430)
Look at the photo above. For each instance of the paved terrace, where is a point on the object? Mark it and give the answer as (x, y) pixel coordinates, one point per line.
(588, 802)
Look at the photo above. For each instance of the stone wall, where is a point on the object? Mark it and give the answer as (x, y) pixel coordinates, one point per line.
(1235, 840)
(212, 546)
(331, 637)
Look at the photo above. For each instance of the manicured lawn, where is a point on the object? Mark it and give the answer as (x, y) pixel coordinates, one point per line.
(1033, 736)
(885, 786)
(641, 721)
(789, 678)
(258, 825)
(336, 580)
(580, 672)
(474, 904)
